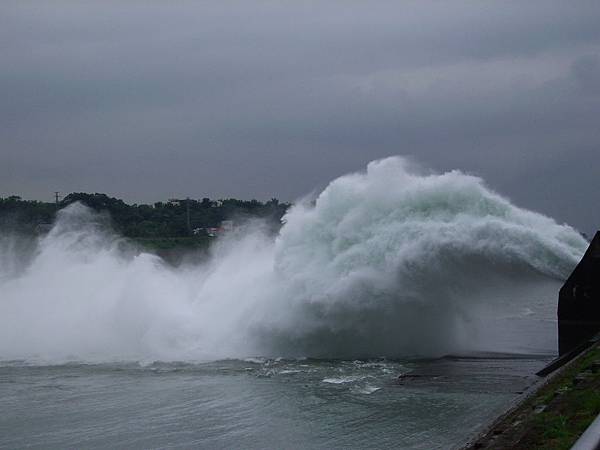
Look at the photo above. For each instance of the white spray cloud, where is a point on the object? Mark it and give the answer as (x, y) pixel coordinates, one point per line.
(385, 262)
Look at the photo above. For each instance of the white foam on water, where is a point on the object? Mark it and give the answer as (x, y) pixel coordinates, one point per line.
(342, 380)
(367, 389)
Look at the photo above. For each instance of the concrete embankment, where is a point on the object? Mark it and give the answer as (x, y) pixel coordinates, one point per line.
(555, 411)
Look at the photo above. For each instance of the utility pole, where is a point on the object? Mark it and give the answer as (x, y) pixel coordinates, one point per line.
(187, 210)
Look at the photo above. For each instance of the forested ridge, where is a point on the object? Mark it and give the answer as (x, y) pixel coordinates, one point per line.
(169, 219)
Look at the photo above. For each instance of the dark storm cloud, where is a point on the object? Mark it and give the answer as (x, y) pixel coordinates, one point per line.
(146, 100)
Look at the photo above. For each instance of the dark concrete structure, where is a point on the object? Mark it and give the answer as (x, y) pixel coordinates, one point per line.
(579, 301)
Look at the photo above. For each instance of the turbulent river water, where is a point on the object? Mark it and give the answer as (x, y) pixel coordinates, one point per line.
(292, 341)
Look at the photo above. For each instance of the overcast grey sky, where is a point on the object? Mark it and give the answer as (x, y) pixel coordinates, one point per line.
(148, 100)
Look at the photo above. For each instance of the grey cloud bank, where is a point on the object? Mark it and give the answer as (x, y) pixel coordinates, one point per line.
(145, 100)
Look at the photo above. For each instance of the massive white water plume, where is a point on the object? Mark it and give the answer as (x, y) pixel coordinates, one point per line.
(386, 262)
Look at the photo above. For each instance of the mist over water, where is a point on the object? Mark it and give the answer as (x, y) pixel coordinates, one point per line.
(386, 262)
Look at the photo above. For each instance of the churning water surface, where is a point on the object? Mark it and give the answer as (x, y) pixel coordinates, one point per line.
(256, 403)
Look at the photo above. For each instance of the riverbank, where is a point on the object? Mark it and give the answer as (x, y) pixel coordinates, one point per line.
(556, 412)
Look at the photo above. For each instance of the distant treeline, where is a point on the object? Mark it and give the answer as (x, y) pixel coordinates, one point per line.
(162, 219)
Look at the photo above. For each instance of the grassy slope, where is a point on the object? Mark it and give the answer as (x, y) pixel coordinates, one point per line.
(556, 415)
